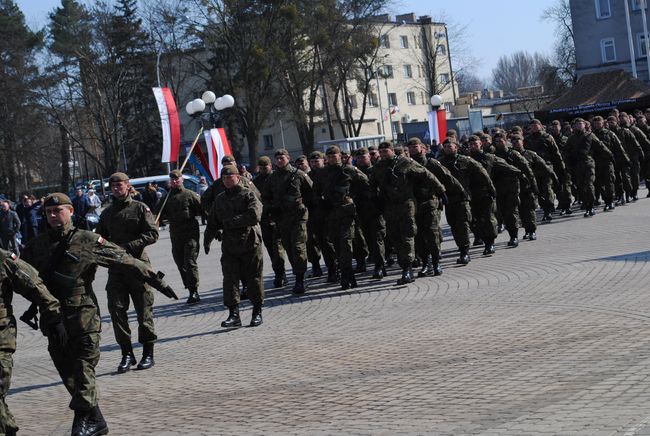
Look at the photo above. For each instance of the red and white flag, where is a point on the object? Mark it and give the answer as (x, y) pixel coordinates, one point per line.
(218, 147)
(437, 125)
(171, 126)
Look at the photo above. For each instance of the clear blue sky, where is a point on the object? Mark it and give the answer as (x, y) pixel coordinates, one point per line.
(494, 28)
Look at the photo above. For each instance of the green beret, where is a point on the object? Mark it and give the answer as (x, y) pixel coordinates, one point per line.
(473, 138)
(557, 122)
(517, 137)
(452, 140)
(333, 149)
(360, 151)
(56, 199)
(578, 120)
(229, 170)
(176, 174)
(264, 160)
(281, 152)
(118, 177)
(316, 155)
(414, 141)
(227, 159)
(499, 134)
(372, 148)
(384, 145)
(535, 121)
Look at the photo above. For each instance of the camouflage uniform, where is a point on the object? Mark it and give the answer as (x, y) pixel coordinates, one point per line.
(18, 276)
(372, 222)
(217, 188)
(544, 145)
(270, 235)
(181, 210)
(316, 235)
(284, 195)
(635, 154)
(608, 170)
(544, 178)
(129, 224)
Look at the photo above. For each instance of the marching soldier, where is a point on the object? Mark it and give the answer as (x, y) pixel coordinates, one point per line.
(67, 258)
(181, 209)
(236, 212)
(607, 170)
(623, 169)
(285, 194)
(316, 243)
(129, 224)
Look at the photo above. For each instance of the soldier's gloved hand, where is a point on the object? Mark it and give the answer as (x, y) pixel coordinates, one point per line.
(206, 246)
(58, 334)
(219, 235)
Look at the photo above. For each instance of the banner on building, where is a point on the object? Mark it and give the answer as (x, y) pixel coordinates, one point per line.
(437, 125)
(171, 126)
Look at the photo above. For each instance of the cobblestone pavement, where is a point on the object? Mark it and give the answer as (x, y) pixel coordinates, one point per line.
(552, 337)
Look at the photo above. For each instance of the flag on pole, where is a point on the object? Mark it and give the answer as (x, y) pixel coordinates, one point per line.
(171, 127)
(437, 125)
(198, 159)
(218, 147)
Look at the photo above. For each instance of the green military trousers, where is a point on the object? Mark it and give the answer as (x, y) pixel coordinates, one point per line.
(121, 289)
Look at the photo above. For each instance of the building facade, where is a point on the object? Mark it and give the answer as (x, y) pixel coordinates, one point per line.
(603, 40)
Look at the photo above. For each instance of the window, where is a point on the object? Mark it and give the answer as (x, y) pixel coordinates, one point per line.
(423, 97)
(352, 101)
(395, 128)
(410, 98)
(443, 78)
(372, 100)
(608, 50)
(637, 5)
(392, 99)
(602, 9)
(387, 71)
(268, 142)
(378, 129)
(640, 43)
(408, 72)
(441, 49)
(404, 41)
(420, 71)
(384, 42)
(418, 41)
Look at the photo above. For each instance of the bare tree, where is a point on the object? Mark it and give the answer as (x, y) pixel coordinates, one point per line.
(469, 82)
(520, 69)
(564, 56)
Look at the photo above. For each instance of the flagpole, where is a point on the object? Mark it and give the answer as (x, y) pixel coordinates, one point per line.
(187, 157)
(629, 38)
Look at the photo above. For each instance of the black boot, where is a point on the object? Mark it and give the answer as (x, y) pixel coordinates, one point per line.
(361, 266)
(568, 211)
(147, 357)
(532, 236)
(128, 359)
(477, 242)
(489, 248)
(95, 424)
(316, 271)
(280, 280)
(256, 319)
(407, 276)
(380, 271)
(348, 280)
(233, 318)
(427, 268)
(299, 286)
(464, 258)
(194, 297)
(333, 274)
(514, 241)
(437, 269)
(80, 423)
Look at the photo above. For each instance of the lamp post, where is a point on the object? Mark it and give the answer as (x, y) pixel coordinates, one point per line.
(437, 123)
(197, 108)
(279, 112)
(381, 110)
(390, 113)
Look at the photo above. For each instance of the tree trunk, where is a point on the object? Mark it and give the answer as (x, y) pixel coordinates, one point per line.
(65, 160)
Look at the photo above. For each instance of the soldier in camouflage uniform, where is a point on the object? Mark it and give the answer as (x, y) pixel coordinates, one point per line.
(606, 169)
(285, 194)
(642, 124)
(429, 211)
(641, 149)
(181, 209)
(580, 149)
(216, 188)
(631, 147)
(479, 189)
(238, 211)
(335, 189)
(18, 276)
(316, 243)
(544, 145)
(370, 218)
(397, 178)
(67, 259)
(270, 235)
(129, 224)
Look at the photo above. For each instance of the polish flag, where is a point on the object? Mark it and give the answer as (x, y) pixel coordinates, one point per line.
(218, 147)
(171, 127)
(437, 125)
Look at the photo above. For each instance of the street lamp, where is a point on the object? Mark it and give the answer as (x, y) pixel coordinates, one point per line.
(436, 101)
(279, 112)
(196, 108)
(378, 73)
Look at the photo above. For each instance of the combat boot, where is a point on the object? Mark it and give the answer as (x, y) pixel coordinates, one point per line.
(464, 258)
(95, 424)
(316, 271)
(489, 248)
(501, 228)
(233, 318)
(427, 269)
(80, 422)
(514, 241)
(243, 293)
(194, 297)
(128, 359)
(477, 242)
(407, 276)
(347, 279)
(256, 319)
(361, 266)
(280, 280)
(147, 356)
(568, 211)
(532, 236)
(333, 274)
(299, 286)
(380, 271)
(437, 269)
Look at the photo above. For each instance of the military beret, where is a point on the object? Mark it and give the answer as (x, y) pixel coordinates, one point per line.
(229, 170)
(56, 199)
(360, 151)
(578, 120)
(301, 157)
(555, 123)
(316, 155)
(413, 141)
(499, 134)
(398, 149)
(483, 136)
(596, 118)
(385, 145)
(118, 177)
(451, 132)
(333, 149)
(227, 159)
(516, 137)
(372, 148)
(473, 138)
(264, 160)
(517, 129)
(535, 121)
(176, 174)
(281, 152)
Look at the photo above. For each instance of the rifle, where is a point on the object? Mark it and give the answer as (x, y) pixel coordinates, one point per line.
(30, 317)
(160, 285)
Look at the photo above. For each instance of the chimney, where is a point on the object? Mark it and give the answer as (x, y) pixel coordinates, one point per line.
(406, 18)
(424, 19)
